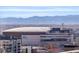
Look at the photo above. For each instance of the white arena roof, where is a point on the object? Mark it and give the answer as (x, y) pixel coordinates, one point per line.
(29, 29)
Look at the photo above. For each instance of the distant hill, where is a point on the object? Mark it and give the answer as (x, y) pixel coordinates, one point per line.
(70, 19)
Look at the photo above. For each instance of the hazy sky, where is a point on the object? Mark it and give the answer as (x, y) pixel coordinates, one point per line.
(30, 11)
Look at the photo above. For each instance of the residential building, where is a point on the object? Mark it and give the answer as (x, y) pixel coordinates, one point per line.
(9, 45)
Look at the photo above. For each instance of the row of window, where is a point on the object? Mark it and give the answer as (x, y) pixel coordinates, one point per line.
(56, 36)
(59, 30)
(54, 40)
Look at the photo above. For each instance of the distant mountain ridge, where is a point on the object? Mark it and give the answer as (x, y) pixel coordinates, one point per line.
(70, 19)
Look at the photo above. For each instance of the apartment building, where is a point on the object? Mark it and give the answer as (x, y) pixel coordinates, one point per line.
(9, 45)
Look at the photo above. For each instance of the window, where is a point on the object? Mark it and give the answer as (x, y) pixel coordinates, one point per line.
(54, 40)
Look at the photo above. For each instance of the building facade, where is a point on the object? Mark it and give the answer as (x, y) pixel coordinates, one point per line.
(9, 45)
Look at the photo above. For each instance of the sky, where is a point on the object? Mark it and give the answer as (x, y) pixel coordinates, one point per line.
(29, 11)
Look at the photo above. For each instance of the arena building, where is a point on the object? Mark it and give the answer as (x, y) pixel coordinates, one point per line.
(41, 35)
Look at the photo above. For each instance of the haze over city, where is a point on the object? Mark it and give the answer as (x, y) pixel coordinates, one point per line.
(40, 15)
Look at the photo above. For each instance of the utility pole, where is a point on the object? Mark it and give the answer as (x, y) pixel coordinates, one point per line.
(62, 26)
(72, 39)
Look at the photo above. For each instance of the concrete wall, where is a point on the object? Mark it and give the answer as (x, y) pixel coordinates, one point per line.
(30, 39)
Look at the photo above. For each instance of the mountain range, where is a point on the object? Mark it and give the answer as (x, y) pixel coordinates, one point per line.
(69, 19)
